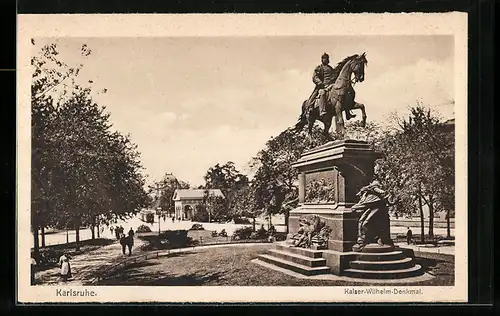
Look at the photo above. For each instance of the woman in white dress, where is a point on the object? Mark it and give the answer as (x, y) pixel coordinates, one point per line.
(65, 267)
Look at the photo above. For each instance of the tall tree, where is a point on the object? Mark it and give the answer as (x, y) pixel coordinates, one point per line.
(229, 180)
(418, 164)
(245, 205)
(82, 172)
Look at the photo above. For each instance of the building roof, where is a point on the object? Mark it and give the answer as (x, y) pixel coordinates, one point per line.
(194, 194)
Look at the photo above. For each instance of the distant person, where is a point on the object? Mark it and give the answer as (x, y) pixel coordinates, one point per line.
(130, 241)
(123, 242)
(33, 267)
(409, 236)
(272, 230)
(173, 219)
(65, 267)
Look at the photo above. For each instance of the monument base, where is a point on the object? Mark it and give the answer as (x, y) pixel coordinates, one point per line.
(373, 262)
(342, 221)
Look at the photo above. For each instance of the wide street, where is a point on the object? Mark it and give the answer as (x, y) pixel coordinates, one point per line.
(167, 224)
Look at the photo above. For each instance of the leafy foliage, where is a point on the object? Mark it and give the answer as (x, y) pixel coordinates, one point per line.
(197, 227)
(418, 164)
(82, 172)
(231, 182)
(243, 233)
(143, 229)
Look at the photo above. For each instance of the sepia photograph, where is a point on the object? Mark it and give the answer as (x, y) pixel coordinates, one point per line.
(251, 161)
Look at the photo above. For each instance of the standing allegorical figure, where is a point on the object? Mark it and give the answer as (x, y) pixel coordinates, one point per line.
(373, 224)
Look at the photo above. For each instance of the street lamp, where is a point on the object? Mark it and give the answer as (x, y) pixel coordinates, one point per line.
(158, 212)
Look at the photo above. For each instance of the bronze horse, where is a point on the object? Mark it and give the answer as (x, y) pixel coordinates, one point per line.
(340, 97)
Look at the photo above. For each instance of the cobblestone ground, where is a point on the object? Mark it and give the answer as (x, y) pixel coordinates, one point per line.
(86, 266)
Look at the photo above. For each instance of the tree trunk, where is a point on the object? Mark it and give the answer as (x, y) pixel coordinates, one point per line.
(36, 245)
(448, 224)
(287, 217)
(92, 230)
(42, 233)
(77, 234)
(253, 224)
(431, 217)
(98, 232)
(422, 222)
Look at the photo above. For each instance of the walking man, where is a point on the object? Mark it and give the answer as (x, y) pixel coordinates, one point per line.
(409, 236)
(130, 243)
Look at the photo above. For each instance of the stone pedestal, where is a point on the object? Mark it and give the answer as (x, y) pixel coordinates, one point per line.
(346, 166)
(338, 170)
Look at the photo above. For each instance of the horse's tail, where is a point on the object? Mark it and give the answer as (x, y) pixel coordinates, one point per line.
(302, 120)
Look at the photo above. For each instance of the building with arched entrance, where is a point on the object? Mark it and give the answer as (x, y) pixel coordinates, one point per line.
(188, 201)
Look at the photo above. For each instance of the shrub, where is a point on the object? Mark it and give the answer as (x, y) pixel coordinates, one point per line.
(49, 257)
(243, 233)
(201, 215)
(261, 233)
(197, 227)
(177, 238)
(280, 236)
(143, 229)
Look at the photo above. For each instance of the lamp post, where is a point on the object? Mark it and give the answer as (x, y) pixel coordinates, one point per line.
(158, 212)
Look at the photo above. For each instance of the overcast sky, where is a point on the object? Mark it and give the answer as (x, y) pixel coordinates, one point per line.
(190, 103)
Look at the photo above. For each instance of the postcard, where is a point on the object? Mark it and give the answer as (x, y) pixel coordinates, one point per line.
(280, 158)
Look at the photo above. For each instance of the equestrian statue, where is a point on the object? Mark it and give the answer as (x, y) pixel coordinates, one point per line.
(334, 93)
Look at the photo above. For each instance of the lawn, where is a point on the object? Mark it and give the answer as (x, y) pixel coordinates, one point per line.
(232, 266)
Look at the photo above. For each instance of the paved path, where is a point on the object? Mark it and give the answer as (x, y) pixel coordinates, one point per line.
(85, 266)
(134, 222)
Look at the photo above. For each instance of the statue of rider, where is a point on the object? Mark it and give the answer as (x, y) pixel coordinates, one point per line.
(323, 78)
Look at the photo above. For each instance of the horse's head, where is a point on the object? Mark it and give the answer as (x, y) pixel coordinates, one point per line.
(358, 67)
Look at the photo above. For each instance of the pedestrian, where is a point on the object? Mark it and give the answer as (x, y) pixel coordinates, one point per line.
(123, 242)
(409, 236)
(65, 267)
(33, 267)
(130, 242)
(173, 219)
